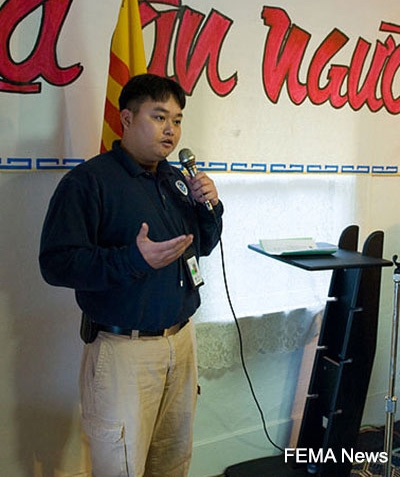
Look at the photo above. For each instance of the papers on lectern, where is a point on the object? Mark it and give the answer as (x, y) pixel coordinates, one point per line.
(296, 246)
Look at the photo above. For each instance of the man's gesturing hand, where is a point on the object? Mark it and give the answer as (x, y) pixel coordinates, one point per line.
(161, 254)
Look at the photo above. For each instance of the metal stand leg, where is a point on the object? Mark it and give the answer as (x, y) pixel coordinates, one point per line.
(391, 399)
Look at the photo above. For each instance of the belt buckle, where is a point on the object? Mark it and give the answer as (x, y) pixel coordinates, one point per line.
(172, 330)
(135, 335)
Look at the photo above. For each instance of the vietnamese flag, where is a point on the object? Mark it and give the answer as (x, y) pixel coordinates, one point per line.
(127, 59)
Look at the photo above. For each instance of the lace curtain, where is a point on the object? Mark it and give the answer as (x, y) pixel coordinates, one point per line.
(218, 342)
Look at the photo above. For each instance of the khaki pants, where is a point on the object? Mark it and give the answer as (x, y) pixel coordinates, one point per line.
(138, 398)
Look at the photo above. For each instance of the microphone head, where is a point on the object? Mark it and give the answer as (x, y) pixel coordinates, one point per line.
(187, 158)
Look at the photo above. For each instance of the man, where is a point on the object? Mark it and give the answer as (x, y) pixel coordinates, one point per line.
(125, 231)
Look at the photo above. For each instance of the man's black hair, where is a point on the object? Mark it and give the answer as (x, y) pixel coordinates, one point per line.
(140, 88)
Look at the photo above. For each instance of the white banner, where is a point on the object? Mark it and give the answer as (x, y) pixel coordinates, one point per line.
(290, 87)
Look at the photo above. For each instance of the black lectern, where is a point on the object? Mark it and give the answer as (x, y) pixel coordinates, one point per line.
(343, 361)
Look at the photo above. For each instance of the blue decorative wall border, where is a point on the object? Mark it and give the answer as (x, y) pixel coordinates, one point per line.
(282, 168)
(26, 164)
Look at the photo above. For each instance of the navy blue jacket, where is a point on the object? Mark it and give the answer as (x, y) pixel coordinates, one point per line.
(88, 241)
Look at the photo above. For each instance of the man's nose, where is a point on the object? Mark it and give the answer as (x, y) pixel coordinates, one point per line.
(170, 128)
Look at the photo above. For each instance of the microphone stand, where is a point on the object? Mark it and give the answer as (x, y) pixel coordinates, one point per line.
(391, 399)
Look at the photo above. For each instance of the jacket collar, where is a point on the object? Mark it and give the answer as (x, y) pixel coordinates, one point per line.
(132, 166)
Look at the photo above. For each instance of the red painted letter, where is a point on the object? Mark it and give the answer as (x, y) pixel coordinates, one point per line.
(367, 93)
(191, 57)
(329, 47)
(19, 77)
(283, 56)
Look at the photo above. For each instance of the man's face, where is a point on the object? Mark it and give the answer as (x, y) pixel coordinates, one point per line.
(153, 132)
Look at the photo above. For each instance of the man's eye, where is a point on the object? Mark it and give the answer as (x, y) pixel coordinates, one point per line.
(178, 122)
(159, 117)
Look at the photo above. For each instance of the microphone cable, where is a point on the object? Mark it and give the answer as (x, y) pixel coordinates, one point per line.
(240, 337)
(187, 160)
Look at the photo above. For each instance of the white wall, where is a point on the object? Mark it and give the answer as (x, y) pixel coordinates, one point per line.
(39, 345)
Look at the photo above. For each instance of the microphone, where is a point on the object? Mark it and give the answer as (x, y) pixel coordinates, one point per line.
(188, 161)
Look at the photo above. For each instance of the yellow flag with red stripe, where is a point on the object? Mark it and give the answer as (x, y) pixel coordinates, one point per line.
(127, 59)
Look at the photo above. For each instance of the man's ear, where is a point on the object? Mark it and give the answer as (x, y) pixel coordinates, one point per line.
(126, 118)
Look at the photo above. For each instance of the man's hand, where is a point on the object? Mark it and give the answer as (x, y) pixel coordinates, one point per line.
(161, 254)
(202, 188)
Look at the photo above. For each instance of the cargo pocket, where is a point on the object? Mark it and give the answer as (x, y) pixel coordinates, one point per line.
(107, 446)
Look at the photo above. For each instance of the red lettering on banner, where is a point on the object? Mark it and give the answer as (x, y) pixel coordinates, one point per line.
(392, 104)
(330, 46)
(21, 77)
(283, 64)
(284, 52)
(165, 24)
(205, 51)
(367, 93)
(186, 43)
(196, 47)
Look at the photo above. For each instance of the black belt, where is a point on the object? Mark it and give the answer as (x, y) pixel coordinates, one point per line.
(117, 330)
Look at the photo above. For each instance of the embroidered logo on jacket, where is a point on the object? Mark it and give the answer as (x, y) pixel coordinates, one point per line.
(182, 187)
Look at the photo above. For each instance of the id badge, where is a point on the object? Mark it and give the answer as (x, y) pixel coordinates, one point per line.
(193, 270)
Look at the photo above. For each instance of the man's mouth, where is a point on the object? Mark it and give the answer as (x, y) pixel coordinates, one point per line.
(167, 142)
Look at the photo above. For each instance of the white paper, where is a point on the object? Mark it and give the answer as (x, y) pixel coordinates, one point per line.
(288, 245)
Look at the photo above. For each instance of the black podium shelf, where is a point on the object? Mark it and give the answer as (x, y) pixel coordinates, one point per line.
(343, 362)
(340, 259)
